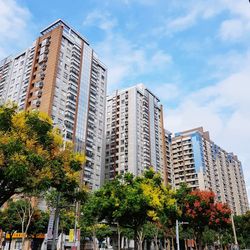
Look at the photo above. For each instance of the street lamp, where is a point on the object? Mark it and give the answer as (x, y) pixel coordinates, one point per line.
(177, 232)
(234, 232)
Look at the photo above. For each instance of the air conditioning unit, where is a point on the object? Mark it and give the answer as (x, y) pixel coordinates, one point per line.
(38, 103)
(47, 42)
(42, 75)
(39, 93)
(40, 85)
(44, 67)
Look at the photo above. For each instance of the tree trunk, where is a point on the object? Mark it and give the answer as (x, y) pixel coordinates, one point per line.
(141, 238)
(185, 241)
(11, 234)
(172, 241)
(156, 243)
(118, 237)
(140, 245)
(94, 241)
(164, 243)
(135, 240)
(168, 244)
(199, 243)
(23, 241)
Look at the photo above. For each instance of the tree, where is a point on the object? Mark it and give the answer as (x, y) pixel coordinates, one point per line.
(22, 216)
(201, 211)
(9, 220)
(38, 226)
(32, 155)
(162, 201)
(129, 202)
(242, 226)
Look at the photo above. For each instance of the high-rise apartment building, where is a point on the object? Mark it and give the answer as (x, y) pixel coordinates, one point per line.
(61, 75)
(134, 133)
(15, 73)
(199, 162)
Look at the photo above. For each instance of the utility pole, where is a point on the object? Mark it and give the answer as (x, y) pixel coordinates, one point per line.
(234, 231)
(177, 235)
(177, 232)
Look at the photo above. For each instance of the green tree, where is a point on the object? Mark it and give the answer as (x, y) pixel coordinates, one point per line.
(129, 202)
(21, 216)
(242, 226)
(32, 155)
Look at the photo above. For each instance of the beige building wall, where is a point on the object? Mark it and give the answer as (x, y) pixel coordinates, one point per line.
(199, 162)
(134, 133)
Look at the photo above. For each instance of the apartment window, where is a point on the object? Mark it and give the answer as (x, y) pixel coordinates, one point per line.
(67, 59)
(61, 54)
(59, 70)
(65, 75)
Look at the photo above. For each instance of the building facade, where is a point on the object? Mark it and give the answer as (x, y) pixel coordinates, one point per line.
(168, 161)
(62, 76)
(15, 72)
(134, 133)
(199, 162)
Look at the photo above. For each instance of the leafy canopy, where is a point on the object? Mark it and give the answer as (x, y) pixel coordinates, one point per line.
(32, 156)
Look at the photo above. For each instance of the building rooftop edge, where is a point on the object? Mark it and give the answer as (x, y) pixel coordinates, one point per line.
(131, 87)
(205, 134)
(60, 21)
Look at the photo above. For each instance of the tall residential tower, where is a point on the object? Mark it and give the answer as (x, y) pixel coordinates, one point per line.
(199, 162)
(134, 133)
(61, 75)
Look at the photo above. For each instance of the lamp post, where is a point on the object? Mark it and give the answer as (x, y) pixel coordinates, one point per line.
(234, 231)
(177, 232)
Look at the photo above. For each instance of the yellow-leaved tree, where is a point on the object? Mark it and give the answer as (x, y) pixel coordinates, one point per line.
(33, 157)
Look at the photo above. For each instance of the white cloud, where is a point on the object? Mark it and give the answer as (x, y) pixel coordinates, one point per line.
(193, 11)
(14, 21)
(183, 22)
(167, 91)
(102, 20)
(237, 27)
(128, 2)
(222, 109)
(160, 58)
(232, 29)
(126, 59)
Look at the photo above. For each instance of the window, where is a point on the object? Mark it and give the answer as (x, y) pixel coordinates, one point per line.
(65, 75)
(67, 59)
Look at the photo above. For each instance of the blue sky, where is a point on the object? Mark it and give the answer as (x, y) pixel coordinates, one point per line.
(195, 55)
